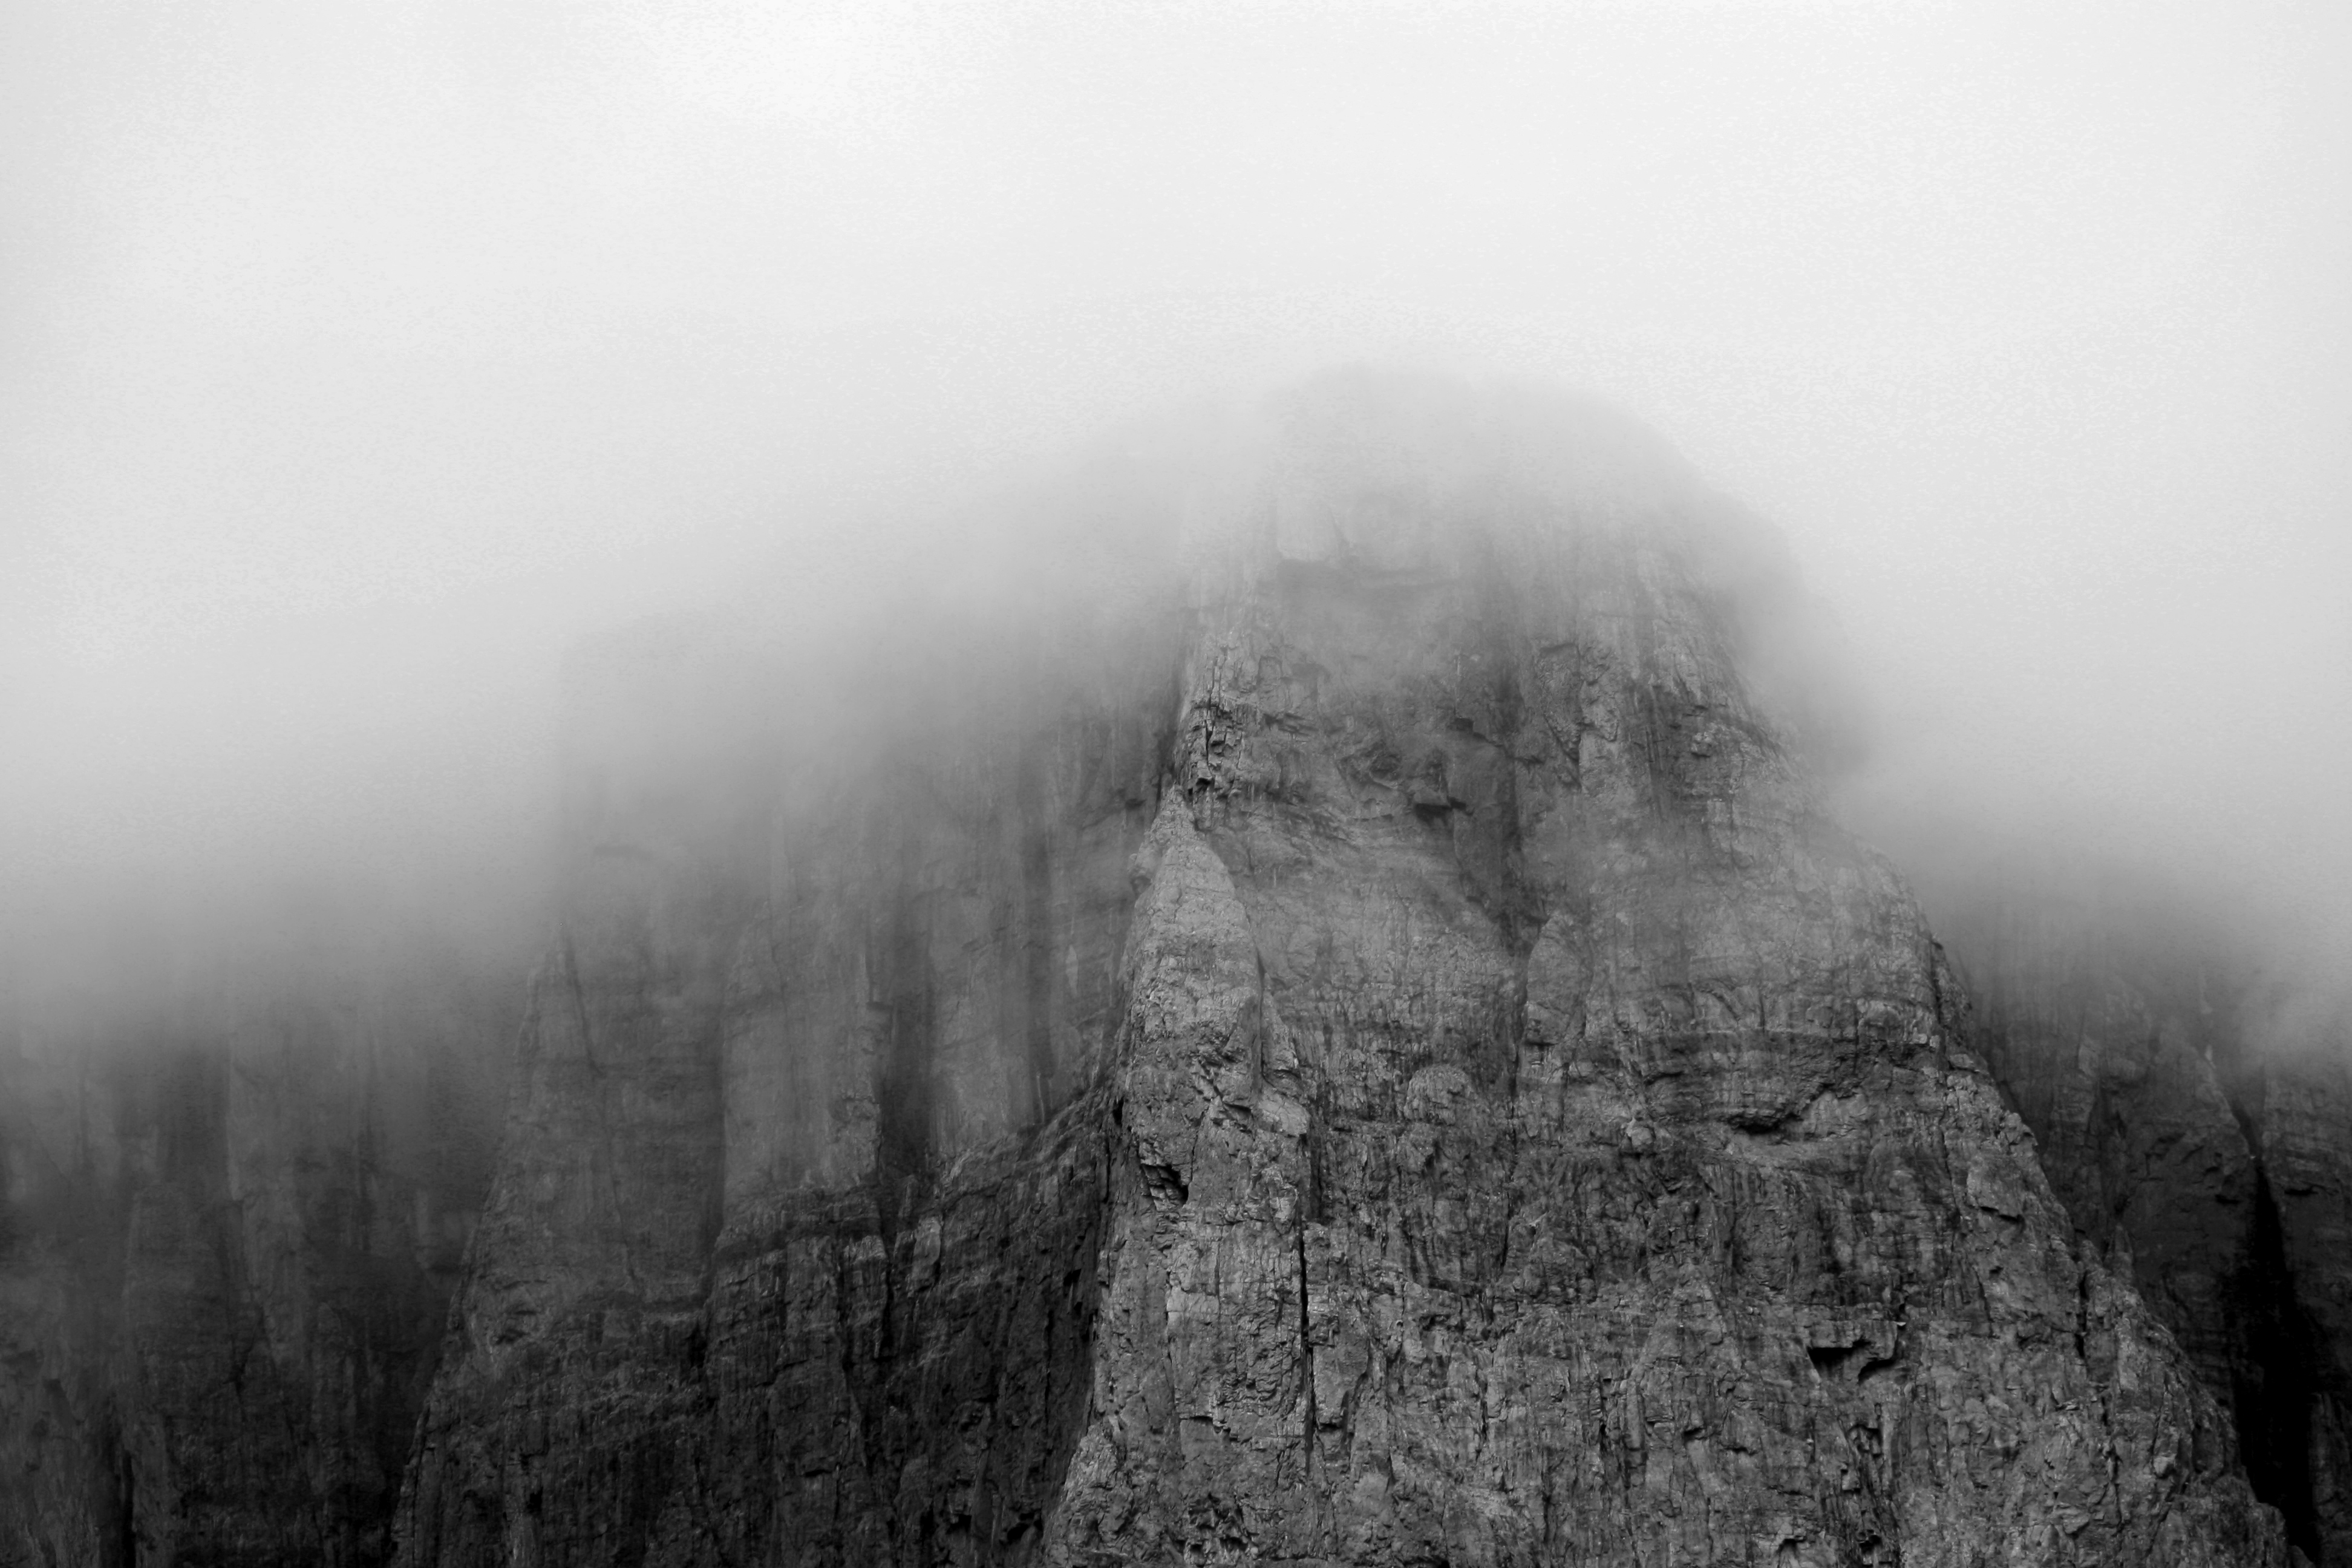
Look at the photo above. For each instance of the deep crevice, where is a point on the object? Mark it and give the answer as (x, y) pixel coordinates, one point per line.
(1306, 1345)
(1827, 1359)
(2273, 1395)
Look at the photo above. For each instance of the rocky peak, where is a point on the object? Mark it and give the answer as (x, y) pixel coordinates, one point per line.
(1311, 1015)
(1384, 1063)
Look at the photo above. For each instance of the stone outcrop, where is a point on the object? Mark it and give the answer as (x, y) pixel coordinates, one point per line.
(1377, 1058)
(2193, 1119)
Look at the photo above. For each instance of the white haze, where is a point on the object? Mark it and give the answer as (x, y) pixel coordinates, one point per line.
(354, 361)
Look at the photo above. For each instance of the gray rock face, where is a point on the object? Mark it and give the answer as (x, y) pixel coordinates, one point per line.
(1385, 1064)
(790, 1257)
(2197, 1135)
(230, 1240)
(1334, 1031)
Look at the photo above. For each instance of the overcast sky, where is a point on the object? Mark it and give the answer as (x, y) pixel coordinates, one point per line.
(353, 359)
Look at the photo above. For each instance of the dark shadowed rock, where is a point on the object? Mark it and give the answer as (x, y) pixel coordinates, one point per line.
(233, 1227)
(2190, 1115)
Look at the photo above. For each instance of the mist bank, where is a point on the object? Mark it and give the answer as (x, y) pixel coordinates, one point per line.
(253, 801)
(267, 793)
(2033, 890)
(359, 365)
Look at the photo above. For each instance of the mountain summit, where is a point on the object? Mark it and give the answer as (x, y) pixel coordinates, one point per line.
(1340, 1034)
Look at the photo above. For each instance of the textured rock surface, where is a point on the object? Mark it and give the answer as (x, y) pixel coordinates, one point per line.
(2197, 1132)
(1410, 1078)
(1333, 1030)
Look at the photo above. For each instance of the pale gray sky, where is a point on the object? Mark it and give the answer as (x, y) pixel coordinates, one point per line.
(351, 359)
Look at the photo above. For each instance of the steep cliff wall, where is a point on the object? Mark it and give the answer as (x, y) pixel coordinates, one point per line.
(2303, 1124)
(2195, 1130)
(232, 1228)
(791, 1253)
(1394, 1069)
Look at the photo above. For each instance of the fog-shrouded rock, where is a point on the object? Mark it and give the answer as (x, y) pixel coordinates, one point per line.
(234, 1222)
(1351, 1041)
(1289, 998)
(2189, 1111)
(2305, 1126)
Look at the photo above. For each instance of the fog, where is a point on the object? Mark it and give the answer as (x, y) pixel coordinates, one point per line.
(357, 363)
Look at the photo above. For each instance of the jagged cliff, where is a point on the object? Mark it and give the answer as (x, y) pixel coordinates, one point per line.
(1412, 1079)
(1342, 1036)
(2195, 1116)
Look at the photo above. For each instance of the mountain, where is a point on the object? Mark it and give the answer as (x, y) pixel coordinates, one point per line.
(235, 1215)
(1299, 1004)
(2193, 1112)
